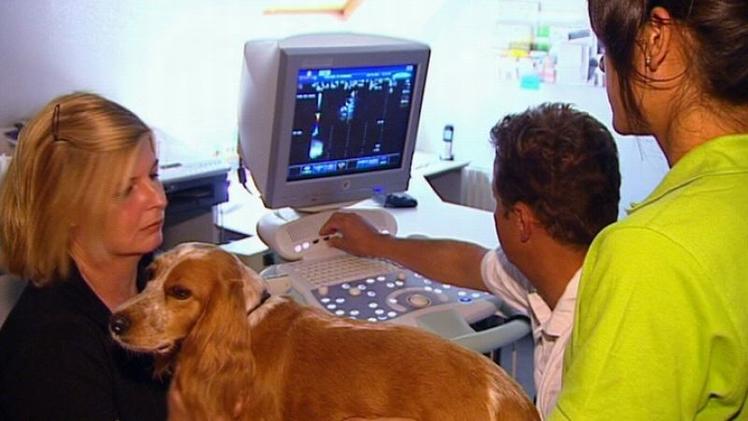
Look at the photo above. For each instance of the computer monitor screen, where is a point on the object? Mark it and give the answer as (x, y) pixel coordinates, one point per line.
(330, 118)
(350, 120)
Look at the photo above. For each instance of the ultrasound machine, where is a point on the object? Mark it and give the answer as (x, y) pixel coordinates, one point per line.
(327, 120)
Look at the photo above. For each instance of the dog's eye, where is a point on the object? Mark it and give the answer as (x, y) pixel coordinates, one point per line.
(180, 293)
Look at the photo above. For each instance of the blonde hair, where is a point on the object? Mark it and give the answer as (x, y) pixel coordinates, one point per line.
(72, 159)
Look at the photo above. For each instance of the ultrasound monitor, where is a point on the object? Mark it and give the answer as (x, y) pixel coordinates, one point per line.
(326, 119)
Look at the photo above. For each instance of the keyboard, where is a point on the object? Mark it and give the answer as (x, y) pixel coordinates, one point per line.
(336, 270)
(374, 290)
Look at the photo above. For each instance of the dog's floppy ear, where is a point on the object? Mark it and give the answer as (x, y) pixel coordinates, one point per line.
(217, 348)
(252, 285)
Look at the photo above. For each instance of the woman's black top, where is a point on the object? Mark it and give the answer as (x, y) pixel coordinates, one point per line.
(59, 362)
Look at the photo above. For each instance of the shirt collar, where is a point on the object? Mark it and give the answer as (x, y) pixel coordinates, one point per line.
(722, 155)
(557, 321)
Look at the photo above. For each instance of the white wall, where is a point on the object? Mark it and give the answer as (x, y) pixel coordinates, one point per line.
(177, 64)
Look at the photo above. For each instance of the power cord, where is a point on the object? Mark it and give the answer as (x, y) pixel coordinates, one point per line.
(241, 175)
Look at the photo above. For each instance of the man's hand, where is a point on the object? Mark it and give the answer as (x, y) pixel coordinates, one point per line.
(357, 236)
(454, 262)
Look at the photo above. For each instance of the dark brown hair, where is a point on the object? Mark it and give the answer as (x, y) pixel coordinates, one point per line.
(717, 30)
(561, 162)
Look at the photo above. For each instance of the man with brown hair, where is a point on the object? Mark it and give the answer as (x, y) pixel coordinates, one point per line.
(556, 184)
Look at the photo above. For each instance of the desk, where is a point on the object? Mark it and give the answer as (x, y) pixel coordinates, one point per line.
(433, 217)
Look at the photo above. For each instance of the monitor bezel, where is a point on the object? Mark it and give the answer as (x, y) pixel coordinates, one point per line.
(349, 187)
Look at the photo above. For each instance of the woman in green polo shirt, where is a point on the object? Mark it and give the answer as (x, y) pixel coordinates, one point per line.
(661, 328)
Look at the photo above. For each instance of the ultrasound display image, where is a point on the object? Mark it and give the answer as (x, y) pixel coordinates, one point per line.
(350, 120)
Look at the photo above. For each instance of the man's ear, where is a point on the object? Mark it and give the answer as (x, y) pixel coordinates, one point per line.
(525, 220)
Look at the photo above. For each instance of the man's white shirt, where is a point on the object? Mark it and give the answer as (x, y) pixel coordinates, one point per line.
(551, 330)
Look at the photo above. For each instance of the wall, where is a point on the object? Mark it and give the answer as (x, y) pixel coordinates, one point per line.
(177, 64)
(466, 90)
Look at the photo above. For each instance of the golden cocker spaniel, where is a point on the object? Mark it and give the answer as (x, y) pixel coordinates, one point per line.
(209, 319)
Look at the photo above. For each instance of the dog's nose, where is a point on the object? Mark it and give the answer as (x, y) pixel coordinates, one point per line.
(119, 324)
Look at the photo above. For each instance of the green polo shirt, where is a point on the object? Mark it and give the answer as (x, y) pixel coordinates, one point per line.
(661, 327)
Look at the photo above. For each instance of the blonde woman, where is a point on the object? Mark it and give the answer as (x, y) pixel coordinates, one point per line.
(81, 209)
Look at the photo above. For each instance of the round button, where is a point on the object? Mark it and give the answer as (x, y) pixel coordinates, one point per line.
(354, 291)
(419, 301)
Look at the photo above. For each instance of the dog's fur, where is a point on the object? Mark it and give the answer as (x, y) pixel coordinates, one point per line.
(284, 361)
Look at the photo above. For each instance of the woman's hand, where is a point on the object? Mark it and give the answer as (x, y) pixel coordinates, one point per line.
(176, 408)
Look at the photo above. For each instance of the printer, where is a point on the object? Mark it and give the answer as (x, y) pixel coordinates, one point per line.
(193, 188)
(195, 183)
